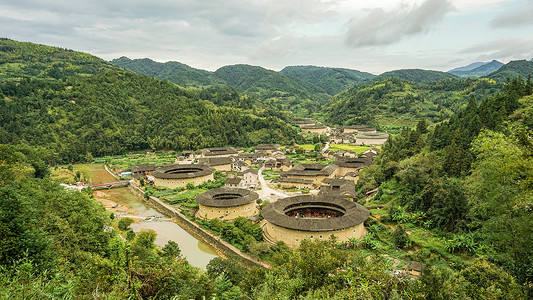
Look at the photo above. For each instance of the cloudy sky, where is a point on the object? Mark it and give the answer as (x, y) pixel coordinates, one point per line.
(368, 35)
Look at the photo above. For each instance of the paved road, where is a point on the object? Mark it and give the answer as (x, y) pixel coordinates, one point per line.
(266, 191)
(325, 147)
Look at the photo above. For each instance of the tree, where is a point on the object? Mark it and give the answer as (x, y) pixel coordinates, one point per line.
(124, 223)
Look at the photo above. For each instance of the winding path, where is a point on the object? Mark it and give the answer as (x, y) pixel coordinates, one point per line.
(266, 190)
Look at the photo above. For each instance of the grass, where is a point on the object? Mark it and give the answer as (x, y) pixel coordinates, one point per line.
(308, 147)
(358, 149)
(124, 162)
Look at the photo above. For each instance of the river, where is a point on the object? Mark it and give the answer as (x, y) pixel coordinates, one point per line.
(196, 252)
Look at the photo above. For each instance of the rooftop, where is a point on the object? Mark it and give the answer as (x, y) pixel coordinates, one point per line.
(314, 127)
(338, 187)
(310, 170)
(235, 180)
(179, 171)
(219, 151)
(358, 162)
(345, 213)
(215, 161)
(369, 135)
(142, 168)
(267, 147)
(227, 197)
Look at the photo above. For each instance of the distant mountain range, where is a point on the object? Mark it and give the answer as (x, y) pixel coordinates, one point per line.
(477, 69)
(304, 88)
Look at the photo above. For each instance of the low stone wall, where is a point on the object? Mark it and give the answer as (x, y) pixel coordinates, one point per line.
(222, 247)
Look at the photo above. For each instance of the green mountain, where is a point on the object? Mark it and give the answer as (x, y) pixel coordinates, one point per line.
(90, 107)
(417, 75)
(331, 80)
(22, 60)
(266, 87)
(265, 83)
(178, 73)
(272, 87)
(480, 71)
(522, 68)
(393, 100)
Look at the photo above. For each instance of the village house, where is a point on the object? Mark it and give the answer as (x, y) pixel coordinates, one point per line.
(353, 176)
(222, 163)
(268, 148)
(239, 166)
(306, 176)
(235, 182)
(342, 138)
(250, 158)
(219, 152)
(346, 165)
(343, 188)
(284, 164)
(251, 178)
(142, 170)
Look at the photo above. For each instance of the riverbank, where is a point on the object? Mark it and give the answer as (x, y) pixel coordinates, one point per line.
(223, 248)
(123, 203)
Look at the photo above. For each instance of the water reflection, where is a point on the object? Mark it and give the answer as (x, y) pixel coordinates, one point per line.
(197, 253)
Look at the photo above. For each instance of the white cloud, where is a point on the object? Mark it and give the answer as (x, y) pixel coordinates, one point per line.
(521, 16)
(383, 27)
(502, 49)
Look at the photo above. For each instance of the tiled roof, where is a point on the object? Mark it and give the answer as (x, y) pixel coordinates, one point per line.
(227, 197)
(353, 213)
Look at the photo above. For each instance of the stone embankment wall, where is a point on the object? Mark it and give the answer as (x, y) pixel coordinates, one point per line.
(222, 247)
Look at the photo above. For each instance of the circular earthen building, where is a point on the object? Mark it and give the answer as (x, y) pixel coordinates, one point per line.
(227, 204)
(294, 219)
(179, 175)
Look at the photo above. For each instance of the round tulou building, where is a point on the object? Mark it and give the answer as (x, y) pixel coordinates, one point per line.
(179, 175)
(371, 138)
(294, 219)
(226, 204)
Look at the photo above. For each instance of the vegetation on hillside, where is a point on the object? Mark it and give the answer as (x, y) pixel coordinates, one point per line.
(261, 87)
(63, 244)
(459, 193)
(393, 98)
(178, 73)
(112, 111)
(469, 179)
(516, 68)
(417, 75)
(331, 80)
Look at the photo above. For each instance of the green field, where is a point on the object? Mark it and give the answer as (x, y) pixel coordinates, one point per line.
(350, 147)
(307, 147)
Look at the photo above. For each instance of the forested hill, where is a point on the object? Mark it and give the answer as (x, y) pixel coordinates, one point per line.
(268, 87)
(522, 68)
(377, 102)
(91, 108)
(331, 80)
(417, 75)
(469, 178)
(27, 60)
(178, 73)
